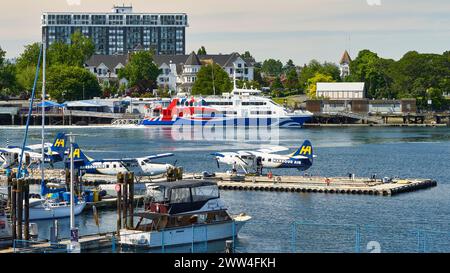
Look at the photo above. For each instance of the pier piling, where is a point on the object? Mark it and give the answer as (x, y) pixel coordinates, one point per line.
(14, 209)
(26, 196)
(19, 204)
(130, 177)
(119, 202)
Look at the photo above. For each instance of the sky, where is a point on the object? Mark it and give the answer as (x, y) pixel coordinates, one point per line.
(300, 30)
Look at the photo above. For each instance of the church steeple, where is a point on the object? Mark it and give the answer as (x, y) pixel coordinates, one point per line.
(346, 59)
(344, 64)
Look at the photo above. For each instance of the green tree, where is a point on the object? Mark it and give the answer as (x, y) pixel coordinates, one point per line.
(312, 83)
(247, 55)
(292, 80)
(202, 51)
(76, 53)
(272, 67)
(8, 84)
(67, 83)
(289, 66)
(141, 72)
(204, 83)
(29, 57)
(314, 66)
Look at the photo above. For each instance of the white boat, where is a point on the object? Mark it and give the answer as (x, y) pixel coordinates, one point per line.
(41, 209)
(183, 212)
(5, 229)
(241, 108)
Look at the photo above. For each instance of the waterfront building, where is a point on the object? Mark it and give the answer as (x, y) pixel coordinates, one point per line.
(178, 72)
(106, 67)
(121, 30)
(344, 65)
(340, 90)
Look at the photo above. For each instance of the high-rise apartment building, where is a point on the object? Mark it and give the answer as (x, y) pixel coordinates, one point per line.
(121, 30)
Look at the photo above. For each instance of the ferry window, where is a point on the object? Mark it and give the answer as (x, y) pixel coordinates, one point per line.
(114, 166)
(270, 160)
(182, 195)
(107, 166)
(204, 193)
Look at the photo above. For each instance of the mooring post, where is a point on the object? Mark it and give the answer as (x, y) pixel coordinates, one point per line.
(14, 209)
(125, 200)
(19, 203)
(67, 179)
(9, 183)
(131, 196)
(119, 203)
(26, 195)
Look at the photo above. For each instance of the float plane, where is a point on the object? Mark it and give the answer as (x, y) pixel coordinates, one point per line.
(302, 159)
(10, 156)
(139, 166)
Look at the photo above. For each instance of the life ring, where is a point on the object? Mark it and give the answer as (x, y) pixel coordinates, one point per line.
(278, 179)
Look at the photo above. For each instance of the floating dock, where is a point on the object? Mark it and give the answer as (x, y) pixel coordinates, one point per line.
(330, 185)
(87, 243)
(306, 184)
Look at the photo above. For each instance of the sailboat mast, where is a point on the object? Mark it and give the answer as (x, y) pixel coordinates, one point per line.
(43, 106)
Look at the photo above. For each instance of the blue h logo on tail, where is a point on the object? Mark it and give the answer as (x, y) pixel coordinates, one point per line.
(305, 150)
(79, 158)
(59, 145)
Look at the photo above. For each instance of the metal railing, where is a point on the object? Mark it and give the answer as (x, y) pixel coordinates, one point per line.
(339, 238)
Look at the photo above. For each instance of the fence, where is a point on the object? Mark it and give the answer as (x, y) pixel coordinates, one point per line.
(329, 238)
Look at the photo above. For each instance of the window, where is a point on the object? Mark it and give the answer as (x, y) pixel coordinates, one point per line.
(204, 193)
(182, 195)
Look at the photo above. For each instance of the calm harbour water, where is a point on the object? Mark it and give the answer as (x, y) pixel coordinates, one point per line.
(404, 152)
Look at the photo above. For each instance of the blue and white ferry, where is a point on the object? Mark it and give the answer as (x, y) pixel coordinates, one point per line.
(241, 108)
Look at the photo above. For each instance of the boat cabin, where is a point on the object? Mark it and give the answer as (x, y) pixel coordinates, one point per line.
(182, 203)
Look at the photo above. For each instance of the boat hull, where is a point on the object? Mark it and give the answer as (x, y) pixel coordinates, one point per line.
(181, 236)
(42, 213)
(295, 121)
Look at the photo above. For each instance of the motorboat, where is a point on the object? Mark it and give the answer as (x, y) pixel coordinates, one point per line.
(183, 212)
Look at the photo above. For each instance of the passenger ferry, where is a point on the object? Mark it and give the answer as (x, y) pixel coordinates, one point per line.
(241, 108)
(180, 213)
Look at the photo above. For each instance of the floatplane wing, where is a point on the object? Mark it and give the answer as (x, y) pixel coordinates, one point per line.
(134, 160)
(272, 149)
(152, 157)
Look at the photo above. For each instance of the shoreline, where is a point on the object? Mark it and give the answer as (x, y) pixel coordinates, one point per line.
(307, 125)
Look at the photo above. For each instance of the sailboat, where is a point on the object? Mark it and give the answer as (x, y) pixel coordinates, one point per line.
(44, 207)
